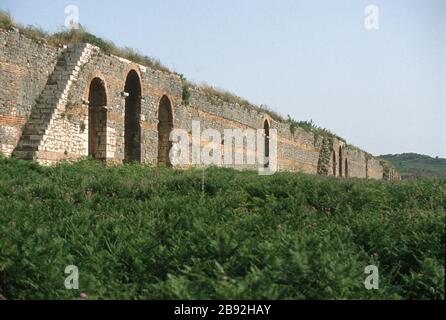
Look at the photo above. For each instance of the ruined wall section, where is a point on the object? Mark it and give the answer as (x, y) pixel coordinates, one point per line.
(336, 163)
(295, 152)
(157, 84)
(354, 162)
(299, 151)
(25, 66)
(73, 122)
(324, 166)
(389, 173)
(342, 160)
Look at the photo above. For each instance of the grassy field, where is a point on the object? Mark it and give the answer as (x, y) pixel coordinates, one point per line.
(412, 165)
(137, 232)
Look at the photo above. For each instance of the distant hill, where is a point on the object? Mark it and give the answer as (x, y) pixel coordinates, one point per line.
(412, 165)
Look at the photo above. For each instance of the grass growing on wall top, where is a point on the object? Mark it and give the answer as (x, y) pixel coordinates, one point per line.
(137, 232)
(6, 21)
(311, 127)
(412, 165)
(80, 35)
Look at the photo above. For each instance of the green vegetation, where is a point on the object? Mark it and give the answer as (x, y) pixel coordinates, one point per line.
(185, 93)
(412, 165)
(310, 126)
(149, 233)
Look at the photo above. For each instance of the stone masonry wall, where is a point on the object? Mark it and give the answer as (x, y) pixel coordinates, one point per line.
(375, 169)
(356, 163)
(26, 66)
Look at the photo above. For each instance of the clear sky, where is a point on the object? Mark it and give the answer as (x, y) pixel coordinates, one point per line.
(383, 90)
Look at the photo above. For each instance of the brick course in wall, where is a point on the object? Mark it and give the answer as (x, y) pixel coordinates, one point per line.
(25, 66)
(44, 112)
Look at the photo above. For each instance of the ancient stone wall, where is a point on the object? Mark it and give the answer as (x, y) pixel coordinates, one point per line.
(354, 163)
(111, 108)
(25, 66)
(375, 169)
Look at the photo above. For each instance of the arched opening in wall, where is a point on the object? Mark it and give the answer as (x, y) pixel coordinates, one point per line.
(346, 168)
(165, 126)
(97, 120)
(266, 128)
(340, 161)
(132, 128)
(366, 168)
(333, 160)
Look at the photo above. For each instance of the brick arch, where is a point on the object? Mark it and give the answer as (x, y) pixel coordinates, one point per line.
(171, 100)
(95, 74)
(132, 116)
(166, 118)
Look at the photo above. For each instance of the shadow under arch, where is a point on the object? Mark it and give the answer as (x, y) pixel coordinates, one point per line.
(97, 119)
(132, 127)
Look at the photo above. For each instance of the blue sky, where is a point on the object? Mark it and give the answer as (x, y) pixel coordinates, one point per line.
(383, 90)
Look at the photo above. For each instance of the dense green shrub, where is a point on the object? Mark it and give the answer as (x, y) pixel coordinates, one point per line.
(6, 21)
(147, 233)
